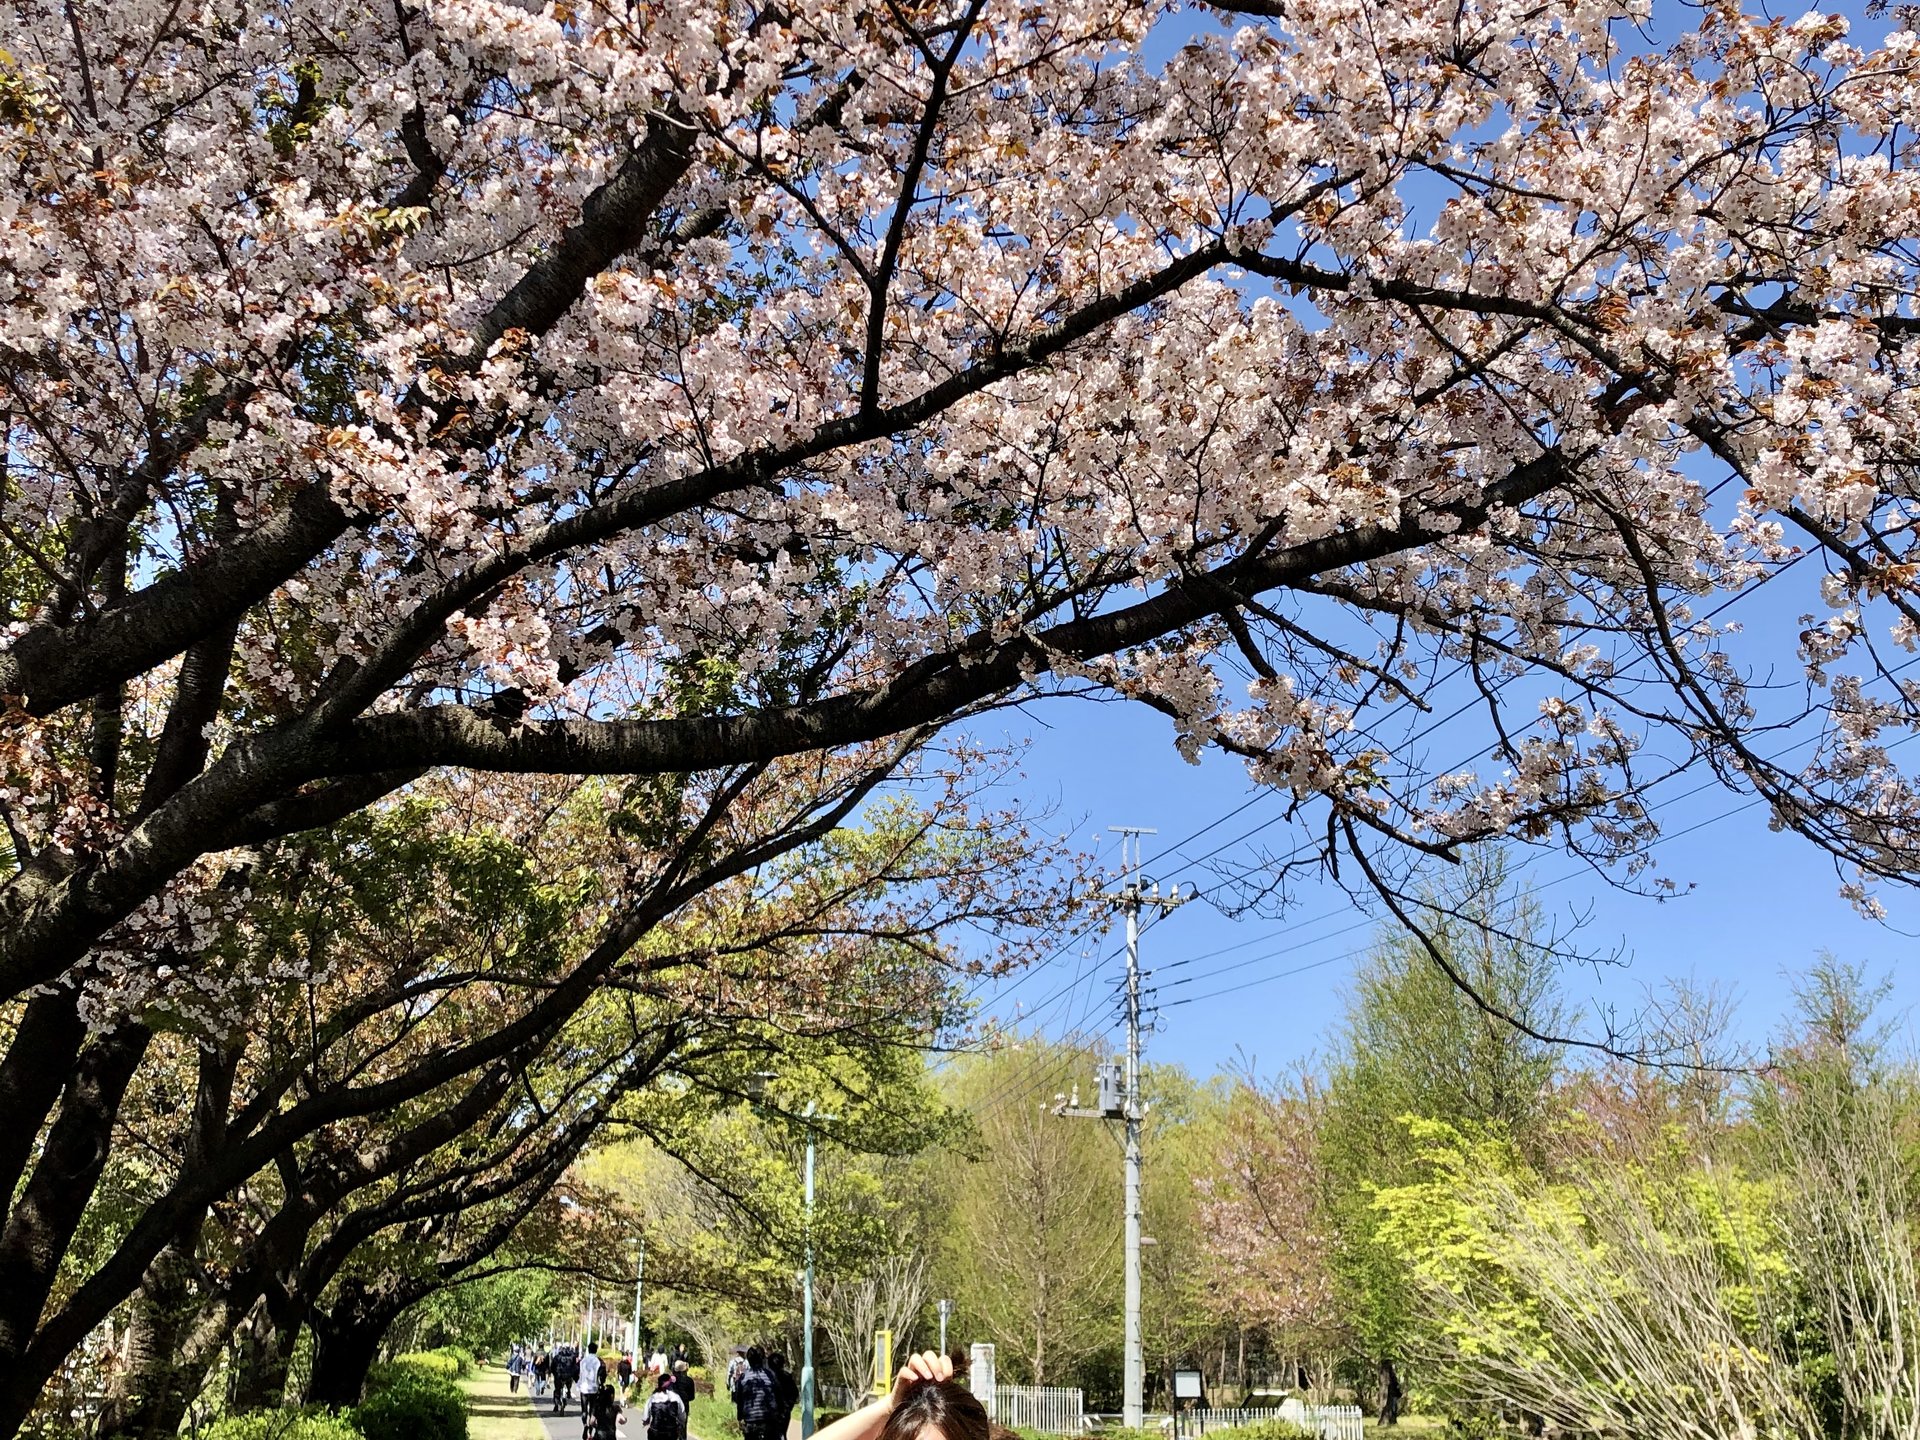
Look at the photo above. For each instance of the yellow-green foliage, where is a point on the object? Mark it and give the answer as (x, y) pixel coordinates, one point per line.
(436, 1362)
(1650, 1299)
(1262, 1430)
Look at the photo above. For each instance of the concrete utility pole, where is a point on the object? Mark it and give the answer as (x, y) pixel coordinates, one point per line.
(1122, 1101)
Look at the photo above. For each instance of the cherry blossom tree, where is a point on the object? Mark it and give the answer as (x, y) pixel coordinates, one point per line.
(664, 389)
(454, 1033)
(1264, 1213)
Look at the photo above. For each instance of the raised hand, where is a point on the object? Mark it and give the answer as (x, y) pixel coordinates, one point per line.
(927, 1365)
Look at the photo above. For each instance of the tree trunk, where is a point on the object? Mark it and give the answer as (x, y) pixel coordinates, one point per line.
(1390, 1392)
(163, 1375)
(180, 1319)
(43, 1219)
(347, 1338)
(39, 1059)
(267, 1342)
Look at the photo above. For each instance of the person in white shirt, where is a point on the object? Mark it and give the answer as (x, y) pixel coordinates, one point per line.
(590, 1371)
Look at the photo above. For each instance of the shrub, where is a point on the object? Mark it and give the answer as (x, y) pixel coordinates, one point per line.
(713, 1419)
(282, 1425)
(462, 1356)
(409, 1400)
(434, 1362)
(1263, 1430)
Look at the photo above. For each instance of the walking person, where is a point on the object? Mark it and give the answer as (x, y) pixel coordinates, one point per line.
(786, 1394)
(591, 1374)
(516, 1367)
(601, 1412)
(566, 1368)
(755, 1399)
(736, 1367)
(665, 1417)
(624, 1369)
(683, 1385)
(542, 1369)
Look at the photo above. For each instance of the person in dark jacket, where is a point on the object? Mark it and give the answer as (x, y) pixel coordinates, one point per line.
(566, 1370)
(786, 1395)
(683, 1383)
(756, 1399)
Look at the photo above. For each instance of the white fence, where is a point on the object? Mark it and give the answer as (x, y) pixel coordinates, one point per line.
(1053, 1409)
(1329, 1422)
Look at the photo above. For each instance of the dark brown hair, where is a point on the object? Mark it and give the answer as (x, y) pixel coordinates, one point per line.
(945, 1405)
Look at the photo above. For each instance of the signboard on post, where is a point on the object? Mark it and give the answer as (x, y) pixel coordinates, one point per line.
(882, 1361)
(980, 1378)
(1189, 1387)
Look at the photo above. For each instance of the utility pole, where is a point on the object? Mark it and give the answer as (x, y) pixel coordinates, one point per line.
(1120, 1100)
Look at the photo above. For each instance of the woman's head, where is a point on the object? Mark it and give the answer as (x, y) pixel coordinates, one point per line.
(938, 1410)
(663, 1381)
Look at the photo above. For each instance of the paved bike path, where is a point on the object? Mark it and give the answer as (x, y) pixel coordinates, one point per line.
(566, 1425)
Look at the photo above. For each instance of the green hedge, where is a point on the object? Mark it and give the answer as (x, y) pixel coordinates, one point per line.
(282, 1425)
(448, 1362)
(414, 1398)
(1263, 1430)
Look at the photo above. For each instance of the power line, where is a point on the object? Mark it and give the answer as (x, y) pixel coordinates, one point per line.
(1433, 726)
(1697, 826)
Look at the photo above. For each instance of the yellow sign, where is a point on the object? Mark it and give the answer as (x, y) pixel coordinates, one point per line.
(882, 1361)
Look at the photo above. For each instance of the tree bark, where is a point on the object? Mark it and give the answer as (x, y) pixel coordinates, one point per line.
(38, 1063)
(177, 1325)
(347, 1338)
(150, 1396)
(1390, 1393)
(266, 1343)
(42, 1221)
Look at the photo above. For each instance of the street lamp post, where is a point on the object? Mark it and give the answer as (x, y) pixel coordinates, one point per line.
(639, 1277)
(806, 1299)
(810, 1116)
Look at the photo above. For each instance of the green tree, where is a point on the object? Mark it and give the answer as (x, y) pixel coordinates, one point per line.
(1031, 1252)
(1654, 1301)
(1421, 1042)
(490, 1313)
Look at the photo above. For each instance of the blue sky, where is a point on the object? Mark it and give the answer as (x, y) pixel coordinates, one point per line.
(1755, 907)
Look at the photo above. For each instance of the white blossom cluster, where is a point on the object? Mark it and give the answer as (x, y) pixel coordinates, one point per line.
(1394, 343)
